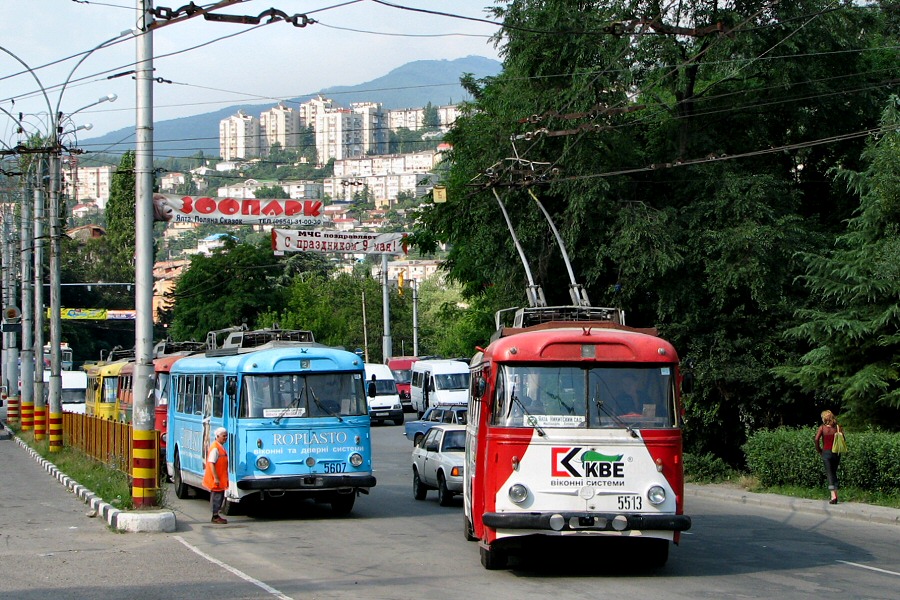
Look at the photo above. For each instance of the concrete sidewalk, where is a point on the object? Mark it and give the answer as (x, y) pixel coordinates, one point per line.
(160, 520)
(845, 510)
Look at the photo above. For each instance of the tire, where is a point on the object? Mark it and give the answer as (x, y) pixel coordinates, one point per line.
(493, 559)
(230, 509)
(342, 504)
(418, 438)
(445, 496)
(182, 490)
(419, 489)
(656, 552)
(468, 530)
(399, 420)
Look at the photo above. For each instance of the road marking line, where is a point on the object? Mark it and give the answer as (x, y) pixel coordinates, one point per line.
(231, 569)
(853, 564)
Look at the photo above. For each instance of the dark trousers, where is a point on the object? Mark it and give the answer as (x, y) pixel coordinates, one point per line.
(831, 461)
(216, 500)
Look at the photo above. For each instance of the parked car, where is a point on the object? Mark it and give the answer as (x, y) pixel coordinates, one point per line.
(437, 463)
(454, 414)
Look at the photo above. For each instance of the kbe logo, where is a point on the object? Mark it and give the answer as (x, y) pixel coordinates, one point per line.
(572, 462)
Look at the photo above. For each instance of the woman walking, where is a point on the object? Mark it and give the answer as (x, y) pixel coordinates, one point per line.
(824, 444)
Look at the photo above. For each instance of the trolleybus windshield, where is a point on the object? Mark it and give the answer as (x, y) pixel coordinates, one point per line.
(597, 397)
(302, 395)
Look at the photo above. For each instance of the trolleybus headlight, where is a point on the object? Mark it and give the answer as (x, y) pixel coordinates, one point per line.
(356, 459)
(518, 493)
(262, 463)
(656, 495)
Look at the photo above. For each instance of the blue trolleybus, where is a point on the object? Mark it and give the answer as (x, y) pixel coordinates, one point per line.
(296, 416)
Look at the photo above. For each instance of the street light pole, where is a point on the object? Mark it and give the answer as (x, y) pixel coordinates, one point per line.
(55, 118)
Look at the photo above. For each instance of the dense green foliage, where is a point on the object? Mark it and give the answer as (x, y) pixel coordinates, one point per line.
(232, 286)
(654, 155)
(858, 285)
(787, 457)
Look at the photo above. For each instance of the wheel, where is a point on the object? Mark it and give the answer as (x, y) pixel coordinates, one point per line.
(493, 559)
(445, 496)
(399, 420)
(418, 438)
(656, 552)
(419, 489)
(468, 530)
(181, 488)
(231, 508)
(342, 504)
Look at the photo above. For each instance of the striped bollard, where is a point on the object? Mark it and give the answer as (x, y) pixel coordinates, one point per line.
(27, 416)
(40, 422)
(56, 432)
(144, 468)
(12, 408)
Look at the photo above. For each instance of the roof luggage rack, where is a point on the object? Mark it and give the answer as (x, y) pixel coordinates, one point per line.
(168, 346)
(535, 315)
(240, 338)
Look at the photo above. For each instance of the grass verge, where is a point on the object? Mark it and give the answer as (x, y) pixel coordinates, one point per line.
(846, 494)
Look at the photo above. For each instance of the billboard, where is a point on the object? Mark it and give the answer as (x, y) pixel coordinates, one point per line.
(344, 242)
(172, 208)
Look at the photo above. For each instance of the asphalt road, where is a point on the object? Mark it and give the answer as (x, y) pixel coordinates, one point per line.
(393, 546)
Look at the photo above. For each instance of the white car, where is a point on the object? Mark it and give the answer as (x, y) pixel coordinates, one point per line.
(437, 463)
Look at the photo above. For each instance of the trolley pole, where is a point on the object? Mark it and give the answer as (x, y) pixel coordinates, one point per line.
(144, 467)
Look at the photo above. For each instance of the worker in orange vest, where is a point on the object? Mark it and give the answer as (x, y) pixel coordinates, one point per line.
(215, 478)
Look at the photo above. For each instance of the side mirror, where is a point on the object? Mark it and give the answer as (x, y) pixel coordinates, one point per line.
(480, 387)
(371, 391)
(231, 386)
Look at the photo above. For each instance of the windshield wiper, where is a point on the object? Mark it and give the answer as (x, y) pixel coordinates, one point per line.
(532, 420)
(294, 404)
(321, 406)
(600, 407)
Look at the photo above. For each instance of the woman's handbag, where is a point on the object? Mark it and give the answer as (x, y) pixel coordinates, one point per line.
(839, 446)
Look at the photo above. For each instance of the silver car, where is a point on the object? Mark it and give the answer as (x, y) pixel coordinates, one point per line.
(437, 463)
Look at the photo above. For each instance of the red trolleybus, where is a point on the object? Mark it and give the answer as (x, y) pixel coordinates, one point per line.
(574, 430)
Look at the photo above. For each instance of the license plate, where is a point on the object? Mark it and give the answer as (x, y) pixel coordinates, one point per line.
(629, 502)
(381, 414)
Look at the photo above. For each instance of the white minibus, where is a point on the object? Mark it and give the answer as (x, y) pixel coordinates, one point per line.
(438, 382)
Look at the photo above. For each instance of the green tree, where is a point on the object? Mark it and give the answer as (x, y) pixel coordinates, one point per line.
(431, 120)
(628, 144)
(229, 287)
(120, 222)
(272, 191)
(854, 346)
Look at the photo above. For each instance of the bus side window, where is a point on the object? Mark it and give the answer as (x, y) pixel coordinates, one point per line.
(218, 396)
(189, 394)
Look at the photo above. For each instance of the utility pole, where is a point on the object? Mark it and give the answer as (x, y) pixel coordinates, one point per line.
(144, 467)
(25, 235)
(387, 345)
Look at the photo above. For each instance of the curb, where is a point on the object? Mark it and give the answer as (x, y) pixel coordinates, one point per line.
(846, 510)
(150, 521)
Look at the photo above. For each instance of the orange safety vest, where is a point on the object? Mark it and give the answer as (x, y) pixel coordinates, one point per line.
(221, 467)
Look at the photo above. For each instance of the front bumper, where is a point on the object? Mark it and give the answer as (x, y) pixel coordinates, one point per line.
(584, 521)
(385, 414)
(307, 482)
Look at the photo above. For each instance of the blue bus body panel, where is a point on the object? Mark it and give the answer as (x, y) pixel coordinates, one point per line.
(304, 453)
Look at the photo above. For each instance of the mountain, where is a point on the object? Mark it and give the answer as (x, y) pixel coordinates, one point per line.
(412, 85)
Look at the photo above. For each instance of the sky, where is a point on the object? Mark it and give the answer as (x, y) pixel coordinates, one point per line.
(212, 65)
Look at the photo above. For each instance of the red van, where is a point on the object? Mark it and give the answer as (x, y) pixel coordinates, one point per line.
(401, 367)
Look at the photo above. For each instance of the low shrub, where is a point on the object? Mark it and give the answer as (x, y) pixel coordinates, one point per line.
(788, 457)
(706, 468)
